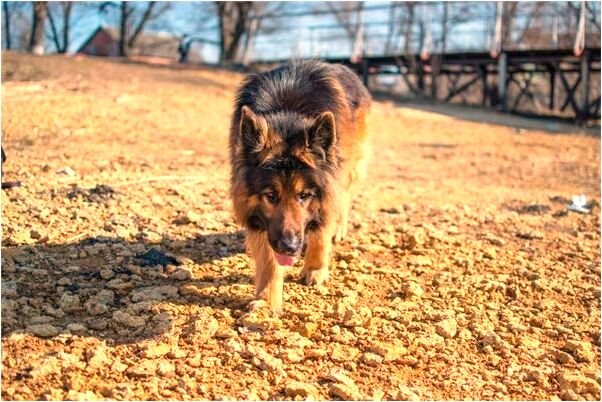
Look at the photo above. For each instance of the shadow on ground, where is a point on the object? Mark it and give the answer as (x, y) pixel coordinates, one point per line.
(551, 124)
(65, 284)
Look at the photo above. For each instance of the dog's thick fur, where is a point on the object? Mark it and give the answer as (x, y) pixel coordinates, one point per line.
(297, 145)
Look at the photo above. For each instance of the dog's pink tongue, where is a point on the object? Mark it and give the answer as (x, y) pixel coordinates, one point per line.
(285, 260)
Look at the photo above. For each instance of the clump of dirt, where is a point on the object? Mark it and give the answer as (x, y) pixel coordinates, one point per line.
(440, 290)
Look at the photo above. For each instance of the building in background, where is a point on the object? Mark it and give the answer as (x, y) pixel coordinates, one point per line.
(149, 47)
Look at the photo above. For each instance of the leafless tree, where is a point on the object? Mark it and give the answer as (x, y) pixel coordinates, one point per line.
(233, 24)
(63, 11)
(133, 19)
(6, 15)
(40, 12)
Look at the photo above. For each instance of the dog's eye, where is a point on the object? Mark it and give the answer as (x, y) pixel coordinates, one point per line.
(271, 197)
(304, 196)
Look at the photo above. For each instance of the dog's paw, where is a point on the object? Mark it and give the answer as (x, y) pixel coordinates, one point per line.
(261, 305)
(340, 233)
(314, 276)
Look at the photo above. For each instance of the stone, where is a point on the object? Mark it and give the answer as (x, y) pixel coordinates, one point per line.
(490, 253)
(295, 388)
(144, 368)
(447, 328)
(166, 369)
(581, 350)
(69, 303)
(74, 395)
(389, 351)
(579, 384)
(420, 261)
(9, 289)
(371, 359)
(406, 394)
(97, 357)
(155, 293)
(126, 319)
(344, 392)
(203, 327)
(156, 350)
(412, 289)
(44, 330)
(562, 357)
(181, 274)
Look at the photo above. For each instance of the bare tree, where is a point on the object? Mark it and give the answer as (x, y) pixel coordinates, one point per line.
(233, 24)
(64, 10)
(40, 12)
(133, 19)
(6, 15)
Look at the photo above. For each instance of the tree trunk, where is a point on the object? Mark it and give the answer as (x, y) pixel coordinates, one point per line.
(123, 30)
(145, 17)
(67, 16)
(233, 23)
(6, 25)
(40, 12)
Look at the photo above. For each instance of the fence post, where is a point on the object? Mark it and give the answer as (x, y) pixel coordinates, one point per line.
(585, 77)
(502, 76)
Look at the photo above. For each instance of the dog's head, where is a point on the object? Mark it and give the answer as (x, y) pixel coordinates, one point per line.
(289, 165)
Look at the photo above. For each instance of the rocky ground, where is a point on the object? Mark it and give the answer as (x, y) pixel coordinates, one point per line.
(124, 277)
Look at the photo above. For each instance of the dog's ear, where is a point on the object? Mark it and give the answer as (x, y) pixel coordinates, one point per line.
(253, 130)
(323, 132)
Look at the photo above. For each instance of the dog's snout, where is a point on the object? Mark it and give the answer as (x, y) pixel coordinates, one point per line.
(289, 243)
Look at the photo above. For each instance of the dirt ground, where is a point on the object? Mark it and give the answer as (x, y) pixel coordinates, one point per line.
(123, 276)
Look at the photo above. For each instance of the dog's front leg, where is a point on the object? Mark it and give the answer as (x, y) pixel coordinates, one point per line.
(315, 266)
(269, 276)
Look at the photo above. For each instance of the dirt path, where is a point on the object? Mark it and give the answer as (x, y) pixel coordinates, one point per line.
(123, 276)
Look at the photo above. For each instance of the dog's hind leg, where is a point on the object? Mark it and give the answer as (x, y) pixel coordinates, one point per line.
(269, 276)
(342, 223)
(315, 265)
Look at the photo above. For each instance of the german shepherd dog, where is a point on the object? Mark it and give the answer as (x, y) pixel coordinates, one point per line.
(297, 145)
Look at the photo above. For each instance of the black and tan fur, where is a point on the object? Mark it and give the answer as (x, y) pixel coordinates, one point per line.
(297, 145)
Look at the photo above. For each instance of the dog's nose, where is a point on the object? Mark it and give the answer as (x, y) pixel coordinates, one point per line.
(289, 243)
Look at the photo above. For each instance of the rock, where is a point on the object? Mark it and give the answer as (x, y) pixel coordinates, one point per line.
(97, 357)
(126, 319)
(302, 389)
(202, 327)
(261, 319)
(490, 253)
(579, 384)
(406, 394)
(69, 303)
(76, 328)
(307, 329)
(66, 171)
(93, 307)
(44, 330)
(9, 289)
(156, 350)
(562, 357)
(343, 353)
(74, 395)
(581, 350)
(412, 289)
(145, 368)
(389, 351)
(345, 392)
(181, 274)
(155, 293)
(350, 316)
(107, 273)
(447, 328)
(166, 369)
(420, 261)
(338, 376)
(371, 359)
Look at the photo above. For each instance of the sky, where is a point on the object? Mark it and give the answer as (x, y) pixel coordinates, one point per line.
(302, 36)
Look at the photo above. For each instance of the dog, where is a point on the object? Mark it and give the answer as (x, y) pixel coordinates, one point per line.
(298, 144)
